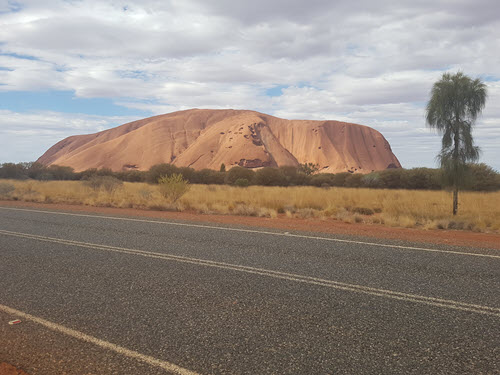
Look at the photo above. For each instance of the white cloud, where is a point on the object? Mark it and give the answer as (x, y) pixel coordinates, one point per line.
(26, 136)
(368, 62)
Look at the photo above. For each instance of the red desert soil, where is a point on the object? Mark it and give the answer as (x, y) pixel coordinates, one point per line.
(6, 369)
(448, 237)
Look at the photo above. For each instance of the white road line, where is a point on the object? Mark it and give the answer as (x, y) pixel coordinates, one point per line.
(257, 231)
(450, 304)
(101, 343)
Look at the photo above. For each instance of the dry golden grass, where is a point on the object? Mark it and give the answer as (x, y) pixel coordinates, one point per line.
(400, 208)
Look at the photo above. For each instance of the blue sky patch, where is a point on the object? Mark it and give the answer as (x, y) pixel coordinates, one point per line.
(64, 101)
(276, 90)
(17, 56)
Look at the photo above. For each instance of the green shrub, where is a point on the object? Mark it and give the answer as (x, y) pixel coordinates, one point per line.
(422, 179)
(159, 170)
(241, 182)
(322, 179)
(372, 180)
(482, 177)
(354, 180)
(14, 171)
(131, 176)
(238, 172)
(107, 183)
(58, 172)
(392, 178)
(339, 179)
(188, 174)
(294, 176)
(270, 177)
(309, 168)
(173, 187)
(210, 177)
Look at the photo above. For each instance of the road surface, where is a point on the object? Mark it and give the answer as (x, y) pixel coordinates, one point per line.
(113, 295)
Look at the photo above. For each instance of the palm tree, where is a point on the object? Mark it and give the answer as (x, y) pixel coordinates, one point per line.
(456, 101)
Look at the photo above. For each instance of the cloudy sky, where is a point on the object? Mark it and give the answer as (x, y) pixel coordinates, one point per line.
(81, 66)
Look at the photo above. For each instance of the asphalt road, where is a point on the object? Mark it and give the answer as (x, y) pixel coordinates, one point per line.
(110, 295)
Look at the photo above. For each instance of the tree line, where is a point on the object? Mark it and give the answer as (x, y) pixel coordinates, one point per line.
(478, 177)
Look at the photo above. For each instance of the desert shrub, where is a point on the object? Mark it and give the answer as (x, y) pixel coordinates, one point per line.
(131, 176)
(392, 178)
(339, 179)
(58, 172)
(309, 168)
(210, 177)
(482, 177)
(160, 170)
(105, 172)
(270, 177)
(422, 179)
(322, 179)
(241, 182)
(363, 210)
(107, 183)
(372, 180)
(294, 176)
(188, 174)
(307, 213)
(36, 171)
(6, 189)
(354, 180)
(14, 171)
(173, 187)
(86, 174)
(239, 172)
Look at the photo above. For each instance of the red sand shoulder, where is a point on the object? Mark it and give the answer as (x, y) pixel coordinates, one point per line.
(6, 369)
(448, 237)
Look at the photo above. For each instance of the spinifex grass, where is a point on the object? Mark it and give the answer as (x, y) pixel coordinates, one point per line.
(402, 208)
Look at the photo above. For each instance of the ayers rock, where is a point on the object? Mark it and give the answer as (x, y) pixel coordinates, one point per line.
(203, 138)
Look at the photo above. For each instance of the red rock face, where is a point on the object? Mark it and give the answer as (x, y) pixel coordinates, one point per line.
(202, 138)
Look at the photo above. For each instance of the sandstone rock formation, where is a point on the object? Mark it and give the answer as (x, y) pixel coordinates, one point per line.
(203, 138)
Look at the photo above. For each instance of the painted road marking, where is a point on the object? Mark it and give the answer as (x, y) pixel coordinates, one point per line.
(103, 344)
(445, 303)
(286, 234)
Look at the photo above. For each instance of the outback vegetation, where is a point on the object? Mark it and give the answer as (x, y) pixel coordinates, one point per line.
(479, 211)
(477, 177)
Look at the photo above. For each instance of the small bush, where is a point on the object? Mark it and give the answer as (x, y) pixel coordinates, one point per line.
(241, 182)
(339, 179)
(372, 180)
(354, 180)
(6, 189)
(363, 211)
(482, 177)
(209, 176)
(294, 176)
(322, 179)
(236, 173)
(107, 183)
(173, 187)
(245, 210)
(159, 170)
(270, 177)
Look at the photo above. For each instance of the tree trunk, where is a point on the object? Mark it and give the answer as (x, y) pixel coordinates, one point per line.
(455, 200)
(455, 169)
